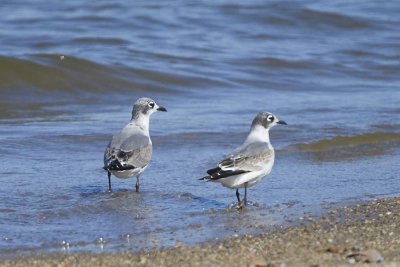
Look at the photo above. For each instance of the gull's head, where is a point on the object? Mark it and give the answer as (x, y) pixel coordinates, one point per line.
(145, 106)
(266, 120)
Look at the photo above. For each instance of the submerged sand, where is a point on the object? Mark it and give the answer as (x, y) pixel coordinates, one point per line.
(324, 241)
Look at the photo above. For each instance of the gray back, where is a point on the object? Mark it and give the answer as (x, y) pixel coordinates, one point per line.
(132, 148)
(248, 157)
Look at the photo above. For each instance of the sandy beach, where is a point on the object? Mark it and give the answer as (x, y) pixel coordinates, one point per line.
(331, 240)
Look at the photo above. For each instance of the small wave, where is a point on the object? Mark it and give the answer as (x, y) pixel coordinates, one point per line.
(17, 110)
(333, 19)
(99, 41)
(360, 53)
(351, 147)
(30, 84)
(96, 18)
(108, 6)
(282, 63)
(52, 73)
(62, 73)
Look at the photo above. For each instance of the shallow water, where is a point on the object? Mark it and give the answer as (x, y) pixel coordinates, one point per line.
(330, 70)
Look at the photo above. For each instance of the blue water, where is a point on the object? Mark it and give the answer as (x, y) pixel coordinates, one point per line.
(331, 70)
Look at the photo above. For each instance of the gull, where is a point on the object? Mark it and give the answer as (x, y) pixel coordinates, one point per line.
(129, 151)
(251, 161)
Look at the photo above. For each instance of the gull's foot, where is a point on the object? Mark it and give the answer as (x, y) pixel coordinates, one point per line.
(242, 204)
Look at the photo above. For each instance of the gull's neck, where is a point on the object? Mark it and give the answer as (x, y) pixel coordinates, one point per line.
(142, 121)
(258, 134)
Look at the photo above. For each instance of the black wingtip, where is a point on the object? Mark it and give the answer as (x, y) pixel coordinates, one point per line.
(115, 165)
(224, 174)
(212, 171)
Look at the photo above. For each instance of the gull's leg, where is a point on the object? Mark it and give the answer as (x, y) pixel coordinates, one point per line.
(137, 183)
(245, 194)
(243, 202)
(109, 181)
(238, 195)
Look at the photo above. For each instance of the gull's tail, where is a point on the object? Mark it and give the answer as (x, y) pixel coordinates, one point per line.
(218, 173)
(210, 172)
(115, 165)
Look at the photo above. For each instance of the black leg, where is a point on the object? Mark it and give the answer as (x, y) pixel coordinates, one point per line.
(238, 195)
(245, 194)
(137, 183)
(109, 181)
(242, 203)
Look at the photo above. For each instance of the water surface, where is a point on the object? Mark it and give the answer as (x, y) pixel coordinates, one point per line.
(70, 72)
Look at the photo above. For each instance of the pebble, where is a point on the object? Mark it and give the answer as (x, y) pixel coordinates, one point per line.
(367, 256)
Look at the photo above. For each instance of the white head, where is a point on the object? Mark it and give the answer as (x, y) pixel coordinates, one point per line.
(266, 120)
(145, 107)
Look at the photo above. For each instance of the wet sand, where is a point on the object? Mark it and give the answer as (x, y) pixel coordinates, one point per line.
(323, 241)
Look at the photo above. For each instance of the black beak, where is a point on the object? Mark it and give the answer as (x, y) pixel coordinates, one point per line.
(281, 122)
(160, 108)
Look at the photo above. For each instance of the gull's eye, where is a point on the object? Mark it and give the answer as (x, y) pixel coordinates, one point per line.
(151, 104)
(270, 118)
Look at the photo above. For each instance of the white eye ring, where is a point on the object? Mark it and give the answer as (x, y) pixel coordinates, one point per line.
(270, 118)
(151, 104)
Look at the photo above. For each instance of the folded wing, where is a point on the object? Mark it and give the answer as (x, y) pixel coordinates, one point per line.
(247, 158)
(128, 152)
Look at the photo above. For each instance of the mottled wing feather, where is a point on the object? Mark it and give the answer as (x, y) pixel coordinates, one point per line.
(134, 150)
(139, 157)
(246, 158)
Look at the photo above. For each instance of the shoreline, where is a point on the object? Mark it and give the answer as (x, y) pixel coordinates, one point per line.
(315, 241)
